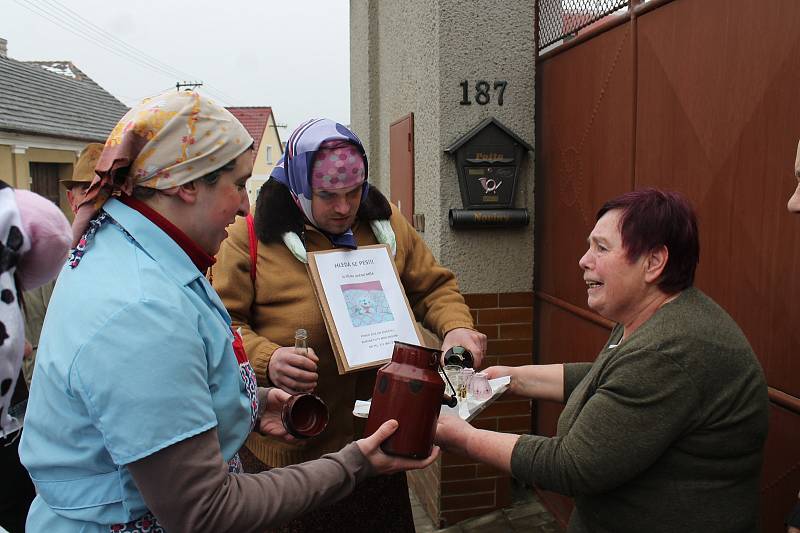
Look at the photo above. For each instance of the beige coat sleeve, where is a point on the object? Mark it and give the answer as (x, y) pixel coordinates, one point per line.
(188, 488)
(230, 277)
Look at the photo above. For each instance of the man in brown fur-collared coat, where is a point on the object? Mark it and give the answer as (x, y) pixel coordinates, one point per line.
(318, 199)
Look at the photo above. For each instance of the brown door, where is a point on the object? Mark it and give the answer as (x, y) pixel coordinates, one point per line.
(401, 165)
(45, 180)
(698, 96)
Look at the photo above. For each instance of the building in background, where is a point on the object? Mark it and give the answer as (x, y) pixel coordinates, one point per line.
(422, 75)
(260, 123)
(49, 111)
(614, 95)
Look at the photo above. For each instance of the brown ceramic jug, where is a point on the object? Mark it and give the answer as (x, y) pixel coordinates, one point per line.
(409, 390)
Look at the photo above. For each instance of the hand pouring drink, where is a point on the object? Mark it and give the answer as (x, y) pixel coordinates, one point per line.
(410, 391)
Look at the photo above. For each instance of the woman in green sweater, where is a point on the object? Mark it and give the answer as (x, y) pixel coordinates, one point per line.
(665, 431)
(793, 518)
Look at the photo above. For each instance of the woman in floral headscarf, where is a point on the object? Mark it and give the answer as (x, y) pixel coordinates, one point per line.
(142, 394)
(318, 198)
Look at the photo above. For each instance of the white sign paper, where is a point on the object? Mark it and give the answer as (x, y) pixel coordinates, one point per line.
(367, 303)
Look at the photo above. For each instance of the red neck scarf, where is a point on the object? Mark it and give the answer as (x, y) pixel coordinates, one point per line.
(199, 257)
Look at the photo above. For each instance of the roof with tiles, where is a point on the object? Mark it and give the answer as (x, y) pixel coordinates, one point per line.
(254, 119)
(34, 100)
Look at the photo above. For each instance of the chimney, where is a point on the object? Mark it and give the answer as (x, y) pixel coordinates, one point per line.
(3, 48)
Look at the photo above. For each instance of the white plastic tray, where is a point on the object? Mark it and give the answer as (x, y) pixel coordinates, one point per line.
(467, 410)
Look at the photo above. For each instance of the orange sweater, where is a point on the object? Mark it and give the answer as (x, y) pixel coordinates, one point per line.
(283, 300)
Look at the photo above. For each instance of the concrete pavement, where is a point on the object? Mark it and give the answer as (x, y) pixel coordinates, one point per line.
(526, 515)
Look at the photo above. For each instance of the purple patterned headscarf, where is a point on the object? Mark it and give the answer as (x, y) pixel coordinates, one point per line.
(294, 168)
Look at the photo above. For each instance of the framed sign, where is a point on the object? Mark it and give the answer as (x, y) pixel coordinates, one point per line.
(363, 304)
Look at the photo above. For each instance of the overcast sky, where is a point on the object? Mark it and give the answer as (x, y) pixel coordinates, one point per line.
(292, 55)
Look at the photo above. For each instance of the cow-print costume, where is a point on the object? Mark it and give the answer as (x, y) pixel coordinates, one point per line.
(13, 244)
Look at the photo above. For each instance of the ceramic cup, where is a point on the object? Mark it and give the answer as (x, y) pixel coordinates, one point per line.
(452, 372)
(479, 387)
(464, 377)
(304, 415)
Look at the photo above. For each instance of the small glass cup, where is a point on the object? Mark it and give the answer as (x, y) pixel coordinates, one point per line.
(479, 387)
(464, 377)
(452, 372)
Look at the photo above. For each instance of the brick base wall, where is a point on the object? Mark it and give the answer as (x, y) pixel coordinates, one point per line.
(455, 488)
(426, 484)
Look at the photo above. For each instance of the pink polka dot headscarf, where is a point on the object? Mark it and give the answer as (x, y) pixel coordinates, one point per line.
(296, 167)
(337, 165)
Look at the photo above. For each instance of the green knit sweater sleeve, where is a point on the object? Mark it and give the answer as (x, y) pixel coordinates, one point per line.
(642, 402)
(573, 374)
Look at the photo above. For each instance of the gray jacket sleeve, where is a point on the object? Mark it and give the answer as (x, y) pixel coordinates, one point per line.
(188, 488)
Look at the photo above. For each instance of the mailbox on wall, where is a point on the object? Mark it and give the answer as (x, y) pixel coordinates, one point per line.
(488, 159)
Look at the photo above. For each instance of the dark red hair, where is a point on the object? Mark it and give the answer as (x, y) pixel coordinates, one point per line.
(651, 218)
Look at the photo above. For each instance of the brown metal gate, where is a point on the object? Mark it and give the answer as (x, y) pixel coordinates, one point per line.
(699, 96)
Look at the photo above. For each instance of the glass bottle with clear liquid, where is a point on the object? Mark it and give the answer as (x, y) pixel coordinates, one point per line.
(301, 341)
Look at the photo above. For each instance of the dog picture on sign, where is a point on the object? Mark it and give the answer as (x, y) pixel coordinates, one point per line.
(366, 303)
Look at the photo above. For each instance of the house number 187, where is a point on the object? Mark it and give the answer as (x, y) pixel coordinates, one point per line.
(482, 96)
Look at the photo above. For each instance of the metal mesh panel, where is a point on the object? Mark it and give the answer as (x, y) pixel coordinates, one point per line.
(562, 18)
